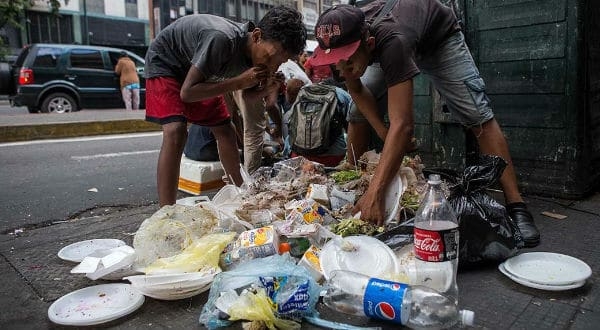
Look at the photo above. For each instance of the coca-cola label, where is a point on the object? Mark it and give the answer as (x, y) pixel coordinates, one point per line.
(436, 246)
(383, 300)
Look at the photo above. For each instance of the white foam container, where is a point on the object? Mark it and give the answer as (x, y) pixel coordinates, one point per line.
(196, 177)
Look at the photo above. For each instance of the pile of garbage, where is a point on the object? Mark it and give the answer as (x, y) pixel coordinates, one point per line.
(264, 249)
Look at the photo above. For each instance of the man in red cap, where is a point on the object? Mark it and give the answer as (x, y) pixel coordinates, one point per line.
(388, 52)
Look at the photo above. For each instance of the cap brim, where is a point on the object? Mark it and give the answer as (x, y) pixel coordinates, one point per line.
(333, 55)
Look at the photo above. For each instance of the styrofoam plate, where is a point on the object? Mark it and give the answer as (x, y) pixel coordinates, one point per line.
(192, 201)
(371, 257)
(537, 285)
(76, 252)
(170, 279)
(392, 198)
(173, 294)
(172, 286)
(548, 268)
(95, 305)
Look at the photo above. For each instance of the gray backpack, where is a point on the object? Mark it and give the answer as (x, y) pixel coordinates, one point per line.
(315, 120)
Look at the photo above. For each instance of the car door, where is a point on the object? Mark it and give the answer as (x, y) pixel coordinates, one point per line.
(97, 83)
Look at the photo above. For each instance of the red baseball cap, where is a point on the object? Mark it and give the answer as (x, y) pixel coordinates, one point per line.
(339, 31)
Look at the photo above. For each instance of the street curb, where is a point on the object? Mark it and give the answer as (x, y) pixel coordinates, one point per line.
(17, 133)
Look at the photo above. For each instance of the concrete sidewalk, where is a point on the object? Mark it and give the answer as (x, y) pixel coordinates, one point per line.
(34, 277)
(24, 127)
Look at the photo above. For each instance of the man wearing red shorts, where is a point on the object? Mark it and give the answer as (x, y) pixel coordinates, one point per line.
(198, 58)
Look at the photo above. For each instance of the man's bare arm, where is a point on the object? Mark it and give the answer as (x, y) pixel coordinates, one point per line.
(195, 88)
(400, 100)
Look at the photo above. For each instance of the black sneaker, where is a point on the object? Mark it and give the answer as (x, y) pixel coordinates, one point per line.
(524, 221)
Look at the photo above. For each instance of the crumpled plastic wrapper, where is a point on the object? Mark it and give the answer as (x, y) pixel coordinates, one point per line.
(170, 230)
(202, 255)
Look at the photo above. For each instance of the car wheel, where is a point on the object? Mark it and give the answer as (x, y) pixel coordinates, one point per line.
(59, 103)
(33, 109)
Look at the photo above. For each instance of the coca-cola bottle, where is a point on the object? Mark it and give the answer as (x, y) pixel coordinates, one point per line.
(414, 306)
(436, 241)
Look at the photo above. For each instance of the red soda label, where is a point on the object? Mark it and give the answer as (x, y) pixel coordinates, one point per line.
(436, 246)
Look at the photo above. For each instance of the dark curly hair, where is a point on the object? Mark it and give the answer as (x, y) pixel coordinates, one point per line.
(284, 25)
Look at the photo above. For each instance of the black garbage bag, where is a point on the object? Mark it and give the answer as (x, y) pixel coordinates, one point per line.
(487, 233)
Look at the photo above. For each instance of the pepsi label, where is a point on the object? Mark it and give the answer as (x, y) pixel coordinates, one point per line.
(383, 300)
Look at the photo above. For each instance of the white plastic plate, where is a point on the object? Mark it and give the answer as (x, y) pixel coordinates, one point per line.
(173, 286)
(527, 283)
(548, 268)
(77, 251)
(392, 198)
(371, 257)
(170, 279)
(174, 293)
(95, 305)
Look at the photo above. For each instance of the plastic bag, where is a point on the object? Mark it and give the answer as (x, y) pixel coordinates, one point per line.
(256, 306)
(487, 233)
(170, 230)
(203, 253)
(268, 273)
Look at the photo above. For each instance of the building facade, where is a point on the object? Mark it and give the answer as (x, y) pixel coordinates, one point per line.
(132, 24)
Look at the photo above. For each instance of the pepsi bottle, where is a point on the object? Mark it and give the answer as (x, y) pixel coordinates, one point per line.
(416, 307)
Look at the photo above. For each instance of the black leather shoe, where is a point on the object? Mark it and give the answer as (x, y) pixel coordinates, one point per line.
(524, 220)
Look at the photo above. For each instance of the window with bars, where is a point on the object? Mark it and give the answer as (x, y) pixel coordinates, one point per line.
(215, 7)
(44, 27)
(96, 7)
(231, 14)
(131, 8)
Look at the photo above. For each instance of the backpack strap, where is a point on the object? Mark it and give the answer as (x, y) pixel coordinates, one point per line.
(389, 4)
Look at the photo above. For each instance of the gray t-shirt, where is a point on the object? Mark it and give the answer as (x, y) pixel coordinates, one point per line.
(414, 28)
(214, 45)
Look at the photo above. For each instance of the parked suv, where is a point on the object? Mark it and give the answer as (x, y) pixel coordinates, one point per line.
(63, 78)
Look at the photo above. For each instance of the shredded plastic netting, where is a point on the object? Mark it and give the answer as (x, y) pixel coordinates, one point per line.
(170, 230)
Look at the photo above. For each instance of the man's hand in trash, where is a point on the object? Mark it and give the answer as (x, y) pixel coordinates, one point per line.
(371, 206)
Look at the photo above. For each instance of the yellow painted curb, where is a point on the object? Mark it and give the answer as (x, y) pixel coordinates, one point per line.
(64, 130)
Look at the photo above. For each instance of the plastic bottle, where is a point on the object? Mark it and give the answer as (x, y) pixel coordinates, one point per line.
(296, 246)
(250, 244)
(416, 307)
(436, 242)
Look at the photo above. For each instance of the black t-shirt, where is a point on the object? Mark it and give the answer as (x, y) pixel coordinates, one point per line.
(214, 45)
(414, 28)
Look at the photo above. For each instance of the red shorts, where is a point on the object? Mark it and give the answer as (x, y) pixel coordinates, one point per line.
(164, 105)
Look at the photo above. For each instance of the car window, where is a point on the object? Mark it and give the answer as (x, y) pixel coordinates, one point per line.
(86, 58)
(137, 62)
(47, 57)
(114, 58)
(22, 56)
(139, 65)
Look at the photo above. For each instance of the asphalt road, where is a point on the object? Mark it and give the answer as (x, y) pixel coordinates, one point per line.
(55, 180)
(6, 109)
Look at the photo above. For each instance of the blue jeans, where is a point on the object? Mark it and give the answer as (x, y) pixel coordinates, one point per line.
(201, 144)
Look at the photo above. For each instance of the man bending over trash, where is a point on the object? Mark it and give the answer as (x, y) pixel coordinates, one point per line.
(415, 36)
(195, 60)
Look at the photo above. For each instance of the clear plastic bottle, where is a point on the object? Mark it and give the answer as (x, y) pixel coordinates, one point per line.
(296, 246)
(436, 242)
(416, 307)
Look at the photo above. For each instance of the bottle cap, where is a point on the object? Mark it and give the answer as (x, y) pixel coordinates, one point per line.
(284, 247)
(467, 317)
(434, 179)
